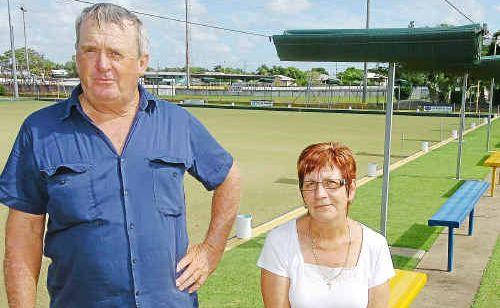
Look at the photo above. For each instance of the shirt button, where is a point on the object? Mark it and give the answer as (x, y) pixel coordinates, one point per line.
(134, 261)
(174, 174)
(125, 192)
(137, 293)
(132, 226)
(122, 160)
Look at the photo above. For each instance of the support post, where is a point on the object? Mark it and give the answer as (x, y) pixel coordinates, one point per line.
(462, 125)
(471, 221)
(450, 249)
(387, 150)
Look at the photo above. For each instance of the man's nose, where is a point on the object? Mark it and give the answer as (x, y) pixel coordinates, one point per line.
(103, 62)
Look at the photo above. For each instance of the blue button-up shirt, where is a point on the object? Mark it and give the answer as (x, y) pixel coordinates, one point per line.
(116, 223)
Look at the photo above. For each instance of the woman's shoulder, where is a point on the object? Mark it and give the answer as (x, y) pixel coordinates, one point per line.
(372, 237)
(283, 232)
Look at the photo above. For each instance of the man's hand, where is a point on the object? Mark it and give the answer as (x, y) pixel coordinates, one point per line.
(202, 259)
(199, 262)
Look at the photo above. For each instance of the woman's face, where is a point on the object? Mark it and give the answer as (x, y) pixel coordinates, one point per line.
(325, 194)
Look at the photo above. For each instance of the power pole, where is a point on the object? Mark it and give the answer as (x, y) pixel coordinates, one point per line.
(188, 73)
(13, 55)
(365, 81)
(24, 10)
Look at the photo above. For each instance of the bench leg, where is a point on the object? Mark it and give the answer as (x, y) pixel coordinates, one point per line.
(471, 221)
(450, 249)
(493, 179)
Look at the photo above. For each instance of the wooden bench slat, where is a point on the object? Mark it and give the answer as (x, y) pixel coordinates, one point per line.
(405, 286)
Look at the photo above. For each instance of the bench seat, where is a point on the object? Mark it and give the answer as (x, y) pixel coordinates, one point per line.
(453, 212)
(405, 286)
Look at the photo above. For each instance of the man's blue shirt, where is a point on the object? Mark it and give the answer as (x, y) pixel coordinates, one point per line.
(117, 223)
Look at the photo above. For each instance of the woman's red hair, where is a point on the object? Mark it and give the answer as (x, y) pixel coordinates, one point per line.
(327, 155)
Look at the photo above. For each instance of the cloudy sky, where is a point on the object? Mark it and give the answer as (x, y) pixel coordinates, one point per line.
(50, 25)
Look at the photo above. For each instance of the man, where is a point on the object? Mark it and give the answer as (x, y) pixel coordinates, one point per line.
(107, 168)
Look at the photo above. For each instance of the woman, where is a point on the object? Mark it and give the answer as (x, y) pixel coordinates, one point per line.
(325, 258)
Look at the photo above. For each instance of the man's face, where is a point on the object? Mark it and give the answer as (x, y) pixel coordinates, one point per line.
(108, 61)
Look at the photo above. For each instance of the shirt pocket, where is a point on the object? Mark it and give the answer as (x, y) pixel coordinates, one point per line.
(69, 188)
(168, 177)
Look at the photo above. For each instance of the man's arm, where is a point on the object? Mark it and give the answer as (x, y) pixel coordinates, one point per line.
(202, 259)
(23, 257)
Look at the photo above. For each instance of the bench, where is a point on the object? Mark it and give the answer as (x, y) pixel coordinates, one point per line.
(405, 286)
(453, 212)
(494, 162)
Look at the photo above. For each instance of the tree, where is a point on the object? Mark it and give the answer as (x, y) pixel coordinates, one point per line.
(320, 70)
(39, 64)
(350, 76)
(263, 70)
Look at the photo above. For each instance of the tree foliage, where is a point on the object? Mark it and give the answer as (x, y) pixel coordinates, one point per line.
(39, 64)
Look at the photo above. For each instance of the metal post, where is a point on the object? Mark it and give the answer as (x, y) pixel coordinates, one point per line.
(462, 125)
(365, 81)
(188, 69)
(24, 10)
(13, 55)
(450, 249)
(387, 150)
(490, 105)
(471, 222)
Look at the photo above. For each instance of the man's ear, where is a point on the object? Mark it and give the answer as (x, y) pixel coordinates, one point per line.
(143, 64)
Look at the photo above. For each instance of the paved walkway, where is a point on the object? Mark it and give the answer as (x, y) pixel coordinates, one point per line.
(457, 289)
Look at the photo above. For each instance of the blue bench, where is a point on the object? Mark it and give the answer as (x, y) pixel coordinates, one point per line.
(453, 212)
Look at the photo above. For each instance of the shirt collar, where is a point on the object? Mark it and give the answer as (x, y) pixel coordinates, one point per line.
(147, 101)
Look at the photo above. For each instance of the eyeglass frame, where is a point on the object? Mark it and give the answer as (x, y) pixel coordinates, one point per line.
(343, 182)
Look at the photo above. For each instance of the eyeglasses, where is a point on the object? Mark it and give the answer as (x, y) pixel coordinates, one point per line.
(330, 184)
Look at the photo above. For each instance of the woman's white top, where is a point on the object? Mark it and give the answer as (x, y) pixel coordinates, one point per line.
(282, 256)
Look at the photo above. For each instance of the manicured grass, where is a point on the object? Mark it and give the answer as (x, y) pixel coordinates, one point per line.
(489, 294)
(417, 191)
(266, 145)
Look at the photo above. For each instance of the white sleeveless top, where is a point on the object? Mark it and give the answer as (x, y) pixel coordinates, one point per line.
(282, 256)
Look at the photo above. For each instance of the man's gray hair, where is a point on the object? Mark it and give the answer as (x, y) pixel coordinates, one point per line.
(106, 13)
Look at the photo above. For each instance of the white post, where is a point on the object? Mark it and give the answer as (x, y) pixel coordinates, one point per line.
(387, 150)
(462, 125)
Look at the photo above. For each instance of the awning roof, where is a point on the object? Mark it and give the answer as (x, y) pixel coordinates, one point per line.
(487, 68)
(416, 47)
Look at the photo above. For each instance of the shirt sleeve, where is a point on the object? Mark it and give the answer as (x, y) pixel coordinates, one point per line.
(382, 268)
(20, 182)
(210, 162)
(273, 256)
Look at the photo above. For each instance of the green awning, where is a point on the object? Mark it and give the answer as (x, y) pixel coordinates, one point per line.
(416, 47)
(487, 68)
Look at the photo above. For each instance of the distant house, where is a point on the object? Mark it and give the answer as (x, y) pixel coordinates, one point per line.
(59, 73)
(380, 79)
(283, 81)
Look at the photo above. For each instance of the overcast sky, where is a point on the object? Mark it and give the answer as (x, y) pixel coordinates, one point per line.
(50, 25)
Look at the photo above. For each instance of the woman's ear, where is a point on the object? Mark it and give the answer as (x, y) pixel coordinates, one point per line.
(352, 191)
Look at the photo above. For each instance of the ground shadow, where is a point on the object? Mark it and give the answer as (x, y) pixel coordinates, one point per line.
(379, 155)
(417, 235)
(482, 160)
(287, 181)
(452, 190)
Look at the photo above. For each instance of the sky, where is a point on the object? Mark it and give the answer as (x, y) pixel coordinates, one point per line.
(50, 25)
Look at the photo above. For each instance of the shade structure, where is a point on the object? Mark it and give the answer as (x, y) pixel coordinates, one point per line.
(430, 47)
(488, 67)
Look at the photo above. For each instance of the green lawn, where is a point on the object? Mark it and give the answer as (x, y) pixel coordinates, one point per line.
(489, 293)
(417, 190)
(266, 145)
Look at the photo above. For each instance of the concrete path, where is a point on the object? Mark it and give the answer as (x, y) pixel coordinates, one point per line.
(457, 289)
